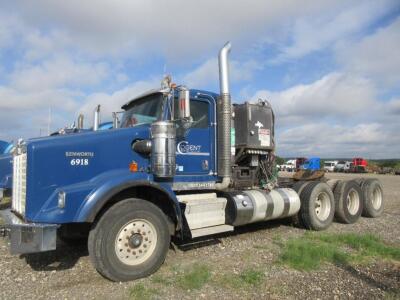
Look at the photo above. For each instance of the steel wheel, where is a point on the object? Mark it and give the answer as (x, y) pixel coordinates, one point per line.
(135, 242)
(130, 240)
(322, 206)
(353, 202)
(377, 198)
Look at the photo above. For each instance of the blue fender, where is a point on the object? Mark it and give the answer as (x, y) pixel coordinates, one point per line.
(111, 183)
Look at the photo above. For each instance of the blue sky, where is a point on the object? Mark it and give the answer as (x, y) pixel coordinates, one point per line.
(331, 69)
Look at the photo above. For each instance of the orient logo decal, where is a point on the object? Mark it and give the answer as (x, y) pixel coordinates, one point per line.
(184, 148)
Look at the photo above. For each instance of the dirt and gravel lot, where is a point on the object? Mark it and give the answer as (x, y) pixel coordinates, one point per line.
(239, 265)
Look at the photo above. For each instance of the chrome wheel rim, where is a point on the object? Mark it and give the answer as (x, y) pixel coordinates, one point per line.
(353, 202)
(135, 242)
(322, 206)
(377, 198)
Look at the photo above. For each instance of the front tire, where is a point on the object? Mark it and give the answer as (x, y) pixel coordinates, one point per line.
(129, 241)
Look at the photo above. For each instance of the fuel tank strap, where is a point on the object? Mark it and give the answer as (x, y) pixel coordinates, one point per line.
(286, 203)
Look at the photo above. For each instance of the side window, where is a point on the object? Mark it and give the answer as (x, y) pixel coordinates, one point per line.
(199, 112)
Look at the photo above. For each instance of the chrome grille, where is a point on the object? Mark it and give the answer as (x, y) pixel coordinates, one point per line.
(19, 183)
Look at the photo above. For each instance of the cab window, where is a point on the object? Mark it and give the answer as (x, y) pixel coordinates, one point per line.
(199, 111)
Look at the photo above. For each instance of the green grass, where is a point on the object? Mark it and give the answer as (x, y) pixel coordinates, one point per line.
(392, 296)
(246, 279)
(193, 278)
(252, 277)
(310, 251)
(140, 292)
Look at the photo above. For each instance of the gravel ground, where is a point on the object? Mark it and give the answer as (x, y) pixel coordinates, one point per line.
(68, 274)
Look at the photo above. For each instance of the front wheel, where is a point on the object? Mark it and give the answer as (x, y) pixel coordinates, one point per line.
(129, 241)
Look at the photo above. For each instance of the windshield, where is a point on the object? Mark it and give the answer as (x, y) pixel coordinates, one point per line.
(143, 111)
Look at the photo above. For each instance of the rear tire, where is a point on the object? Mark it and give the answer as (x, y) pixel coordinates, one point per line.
(348, 201)
(129, 241)
(299, 187)
(317, 206)
(373, 198)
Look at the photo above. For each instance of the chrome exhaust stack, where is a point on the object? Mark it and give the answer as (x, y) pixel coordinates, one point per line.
(96, 119)
(224, 116)
(80, 121)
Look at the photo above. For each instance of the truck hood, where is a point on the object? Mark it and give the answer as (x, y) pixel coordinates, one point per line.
(55, 162)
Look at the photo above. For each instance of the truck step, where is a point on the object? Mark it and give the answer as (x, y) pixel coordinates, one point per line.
(203, 210)
(211, 230)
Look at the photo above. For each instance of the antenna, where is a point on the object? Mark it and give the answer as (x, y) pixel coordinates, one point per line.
(165, 69)
(49, 122)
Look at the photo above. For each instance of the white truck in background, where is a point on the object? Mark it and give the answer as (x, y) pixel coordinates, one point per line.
(330, 165)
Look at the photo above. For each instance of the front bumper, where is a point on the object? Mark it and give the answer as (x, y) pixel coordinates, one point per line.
(27, 237)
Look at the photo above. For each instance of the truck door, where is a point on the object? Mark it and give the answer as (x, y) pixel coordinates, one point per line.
(194, 150)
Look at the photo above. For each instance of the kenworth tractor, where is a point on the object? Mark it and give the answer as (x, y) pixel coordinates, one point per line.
(183, 163)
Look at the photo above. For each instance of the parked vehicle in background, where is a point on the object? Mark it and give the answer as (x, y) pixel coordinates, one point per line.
(6, 171)
(329, 165)
(3, 146)
(289, 166)
(343, 166)
(386, 170)
(340, 166)
(359, 165)
(299, 162)
(313, 163)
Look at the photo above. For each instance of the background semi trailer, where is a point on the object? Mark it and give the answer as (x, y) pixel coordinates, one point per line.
(170, 170)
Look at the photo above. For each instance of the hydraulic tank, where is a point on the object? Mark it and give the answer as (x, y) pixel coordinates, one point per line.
(251, 206)
(163, 136)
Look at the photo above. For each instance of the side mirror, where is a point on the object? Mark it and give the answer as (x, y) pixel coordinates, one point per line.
(184, 119)
(184, 103)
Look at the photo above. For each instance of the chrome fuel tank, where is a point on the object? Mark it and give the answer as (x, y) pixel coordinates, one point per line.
(251, 206)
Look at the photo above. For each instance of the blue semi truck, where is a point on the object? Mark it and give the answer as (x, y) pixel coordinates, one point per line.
(183, 163)
(5, 169)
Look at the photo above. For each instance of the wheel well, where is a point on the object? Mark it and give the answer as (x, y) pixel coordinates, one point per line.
(156, 196)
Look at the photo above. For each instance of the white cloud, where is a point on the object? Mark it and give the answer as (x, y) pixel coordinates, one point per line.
(57, 72)
(334, 95)
(376, 55)
(111, 102)
(370, 140)
(319, 32)
(176, 29)
(207, 73)
(25, 114)
(338, 115)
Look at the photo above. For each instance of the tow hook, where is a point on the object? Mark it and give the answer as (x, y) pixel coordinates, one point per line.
(4, 231)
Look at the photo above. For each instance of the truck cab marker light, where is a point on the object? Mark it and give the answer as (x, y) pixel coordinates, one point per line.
(133, 167)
